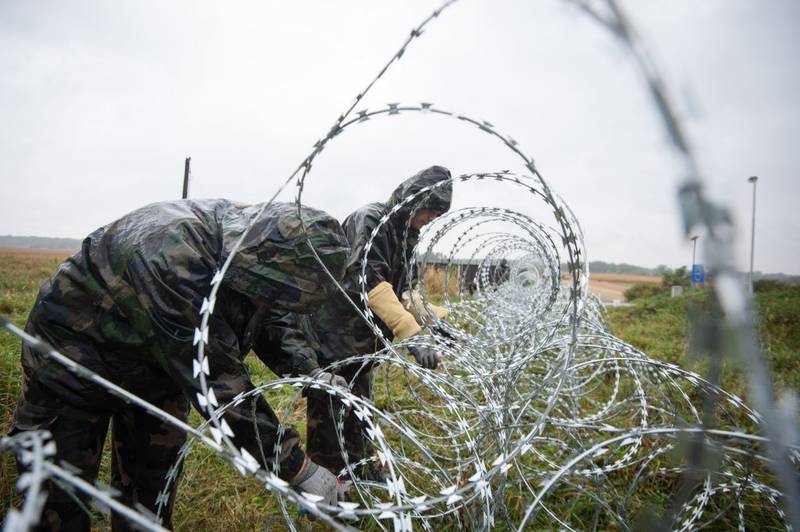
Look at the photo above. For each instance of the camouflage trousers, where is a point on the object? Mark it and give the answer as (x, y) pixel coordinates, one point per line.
(142, 450)
(322, 417)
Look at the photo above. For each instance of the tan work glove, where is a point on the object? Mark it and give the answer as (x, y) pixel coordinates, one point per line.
(413, 303)
(384, 303)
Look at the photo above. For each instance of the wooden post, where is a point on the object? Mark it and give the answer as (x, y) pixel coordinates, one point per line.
(186, 178)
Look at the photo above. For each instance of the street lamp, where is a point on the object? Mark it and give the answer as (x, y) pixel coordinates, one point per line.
(752, 179)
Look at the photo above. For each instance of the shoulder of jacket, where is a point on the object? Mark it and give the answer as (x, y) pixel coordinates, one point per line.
(369, 215)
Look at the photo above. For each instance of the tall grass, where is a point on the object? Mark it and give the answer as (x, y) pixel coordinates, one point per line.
(435, 277)
(20, 278)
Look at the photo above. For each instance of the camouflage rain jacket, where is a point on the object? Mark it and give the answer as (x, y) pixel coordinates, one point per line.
(126, 306)
(336, 331)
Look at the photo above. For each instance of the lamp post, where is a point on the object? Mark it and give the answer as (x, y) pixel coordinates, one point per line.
(752, 179)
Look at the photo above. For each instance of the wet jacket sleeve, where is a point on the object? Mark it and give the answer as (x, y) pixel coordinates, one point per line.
(382, 268)
(174, 308)
(283, 347)
(379, 257)
(253, 423)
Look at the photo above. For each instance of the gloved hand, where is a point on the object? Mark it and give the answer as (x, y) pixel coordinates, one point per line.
(442, 334)
(412, 302)
(317, 480)
(328, 378)
(425, 356)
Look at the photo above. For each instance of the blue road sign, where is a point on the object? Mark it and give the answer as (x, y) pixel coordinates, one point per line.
(698, 274)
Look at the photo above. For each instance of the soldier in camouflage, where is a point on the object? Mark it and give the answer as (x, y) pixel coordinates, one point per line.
(126, 307)
(337, 332)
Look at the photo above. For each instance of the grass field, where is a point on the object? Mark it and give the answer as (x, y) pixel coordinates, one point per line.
(213, 496)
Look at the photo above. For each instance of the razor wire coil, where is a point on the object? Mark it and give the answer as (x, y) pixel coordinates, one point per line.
(534, 394)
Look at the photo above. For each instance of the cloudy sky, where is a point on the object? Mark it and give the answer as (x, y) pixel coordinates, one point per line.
(100, 103)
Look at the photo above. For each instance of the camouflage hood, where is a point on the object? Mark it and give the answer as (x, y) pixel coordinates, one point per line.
(276, 265)
(437, 199)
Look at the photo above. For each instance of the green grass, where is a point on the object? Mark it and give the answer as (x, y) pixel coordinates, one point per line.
(213, 496)
(675, 330)
(660, 327)
(20, 277)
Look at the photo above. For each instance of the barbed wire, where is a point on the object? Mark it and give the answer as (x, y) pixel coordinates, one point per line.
(534, 395)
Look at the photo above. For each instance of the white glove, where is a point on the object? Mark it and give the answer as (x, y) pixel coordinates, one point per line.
(329, 378)
(325, 377)
(319, 481)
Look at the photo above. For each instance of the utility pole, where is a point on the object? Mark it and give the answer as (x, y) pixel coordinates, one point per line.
(186, 177)
(752, 179)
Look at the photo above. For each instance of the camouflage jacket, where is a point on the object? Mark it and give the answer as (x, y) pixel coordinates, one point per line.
(336, 331)
(127, 305)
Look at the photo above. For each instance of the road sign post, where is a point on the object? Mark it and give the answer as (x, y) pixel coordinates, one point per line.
(698, 275)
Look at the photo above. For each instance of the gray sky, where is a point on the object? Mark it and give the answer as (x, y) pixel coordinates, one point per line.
(101, 101)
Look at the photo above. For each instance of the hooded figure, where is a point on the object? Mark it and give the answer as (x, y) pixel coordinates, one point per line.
(126, 307)
(336, 332)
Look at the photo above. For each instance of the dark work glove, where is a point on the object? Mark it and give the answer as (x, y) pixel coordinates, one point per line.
(443, 335)
(425, 356)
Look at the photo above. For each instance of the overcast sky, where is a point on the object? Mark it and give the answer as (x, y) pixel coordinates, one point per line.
(101, 101)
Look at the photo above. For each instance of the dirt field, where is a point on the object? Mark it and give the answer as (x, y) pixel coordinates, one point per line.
(610, 287)
(623, 278)
(44, 253)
